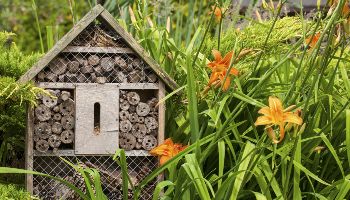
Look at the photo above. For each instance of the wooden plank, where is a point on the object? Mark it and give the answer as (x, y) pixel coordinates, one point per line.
(161, 116)
(58, 153)
(109, 20)
(56, 85)
(106, 139)
(139, 86)
(29, 148)
(82, 49)
(62, 43)
(72, 153)
(130, 86)
(161, 121)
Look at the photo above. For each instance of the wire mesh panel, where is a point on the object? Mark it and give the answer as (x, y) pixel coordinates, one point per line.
(97, 55)
(111, 176)
(98, 35)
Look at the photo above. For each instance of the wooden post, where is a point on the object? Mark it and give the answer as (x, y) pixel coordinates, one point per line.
(29, 148)
(161, 120)
(161, 110)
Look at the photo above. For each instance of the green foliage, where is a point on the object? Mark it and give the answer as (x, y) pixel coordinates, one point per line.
(13, 99)
(11, 192)
(13, 63)
(18, 16)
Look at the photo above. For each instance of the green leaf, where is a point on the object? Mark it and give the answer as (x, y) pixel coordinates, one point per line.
(347, 113)
(344, 189)
(122, 163)
(8, 170)
(160, 186)
(309, 173)
(193, 171)
(221, 151)
(247, 99)
(246, 157)
(331, 149)
(192, 101)
(296, 177)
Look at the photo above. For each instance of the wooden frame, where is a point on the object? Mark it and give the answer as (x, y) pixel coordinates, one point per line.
(114, 50)
(97, 13)
(29, 154)
(122, 86)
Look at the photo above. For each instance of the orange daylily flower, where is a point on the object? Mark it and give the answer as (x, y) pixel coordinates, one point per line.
(167, 150)
(219, 69)
(217, 12)
(312, 40)
(274, 114)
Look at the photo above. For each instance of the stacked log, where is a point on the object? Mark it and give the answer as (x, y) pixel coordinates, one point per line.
(54, 121)
(97, 68)
(138, 122)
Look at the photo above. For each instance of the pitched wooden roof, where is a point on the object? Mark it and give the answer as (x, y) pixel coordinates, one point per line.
(98, 12)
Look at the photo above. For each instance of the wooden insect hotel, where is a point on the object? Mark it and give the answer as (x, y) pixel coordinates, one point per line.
(104, 91)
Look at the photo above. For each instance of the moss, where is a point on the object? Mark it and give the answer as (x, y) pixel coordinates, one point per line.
(12, 192)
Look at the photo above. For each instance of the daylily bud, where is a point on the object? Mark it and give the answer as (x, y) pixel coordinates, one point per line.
(302, 129)
(318, 149)
(265, 5)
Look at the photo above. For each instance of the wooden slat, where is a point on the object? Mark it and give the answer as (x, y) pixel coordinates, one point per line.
(62, 43)
(58, 153)
(127, 86)
(138, 86)
(29, 148)
(161, 116)
(161, 121)
(115, 50)
(71, 153)
(56, 85)
(109, 20)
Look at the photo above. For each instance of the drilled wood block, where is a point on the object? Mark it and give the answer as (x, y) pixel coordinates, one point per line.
(105, 141)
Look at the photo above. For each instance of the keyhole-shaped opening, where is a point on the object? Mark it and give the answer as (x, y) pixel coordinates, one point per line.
(97, 117)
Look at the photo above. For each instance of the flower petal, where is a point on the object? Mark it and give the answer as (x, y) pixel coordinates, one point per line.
(276, 108)
(163, 149)
(213, 77)
(217, 55)
(292, 118)
(218, 14)
(226, 60)
(226, 84)
(263, 120)
(272, 135)
(168, 141)
(275, 104)
(212, 65)
(164, 159)
(160, 150)
(265, 111)
(281, 133)
(234, 71)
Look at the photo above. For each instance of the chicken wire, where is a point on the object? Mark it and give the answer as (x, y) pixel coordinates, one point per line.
(111, 177)
(115, 63)
(98, 35)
